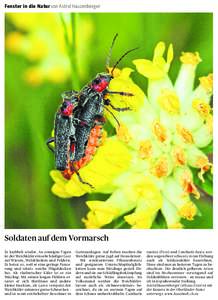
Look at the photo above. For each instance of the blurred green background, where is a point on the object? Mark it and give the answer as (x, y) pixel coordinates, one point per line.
(38, 70)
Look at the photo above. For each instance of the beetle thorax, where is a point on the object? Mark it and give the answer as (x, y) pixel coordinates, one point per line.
(101, 82)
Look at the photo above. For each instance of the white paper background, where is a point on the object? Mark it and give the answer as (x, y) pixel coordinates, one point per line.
(121, 239)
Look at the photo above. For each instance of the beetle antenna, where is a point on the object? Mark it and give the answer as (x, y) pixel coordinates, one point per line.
(118, 123)
(110, 52)
(119, 60)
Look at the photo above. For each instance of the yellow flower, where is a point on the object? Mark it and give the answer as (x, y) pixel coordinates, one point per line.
(158, 67)
(185, 134)
(123, 134)
(190, 58)
(146, 166)
(197, 159)
(159, 131)
(123, 83)
(149, 201)
(101, 214)
(145, 149)
(169, 101)
(188, 211)
(162, 167)
(179, 155)
(202, 107)
(112, 159)
(207, 83)
(185, 178)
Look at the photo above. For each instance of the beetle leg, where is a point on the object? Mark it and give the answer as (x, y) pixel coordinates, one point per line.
(118, 123)
(108, 102)
(73, 169)
(48, 142)
(118, 93)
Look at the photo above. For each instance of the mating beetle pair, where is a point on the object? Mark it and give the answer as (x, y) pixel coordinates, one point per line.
(79, 116)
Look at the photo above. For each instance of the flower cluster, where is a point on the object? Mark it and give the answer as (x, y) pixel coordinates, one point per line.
(146, 166)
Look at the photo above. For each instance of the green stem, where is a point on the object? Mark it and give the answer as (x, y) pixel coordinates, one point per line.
(71, 49)
(74, 58)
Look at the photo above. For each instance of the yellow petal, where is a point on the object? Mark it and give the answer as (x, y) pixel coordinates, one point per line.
(110, 160)
(209, 123)
(207, 83)
(170, 54)
(141, 220)
(188, 211)
(123, 134)
(170, 213)
(159, 50)
(148, 69)
(77, 188)
(90, 221)
(123, 83)
(59, 187)
(60, 191)
(57, 177)
(125, 73)
(101, 213)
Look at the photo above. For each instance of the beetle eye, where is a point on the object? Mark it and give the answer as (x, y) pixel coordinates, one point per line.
(63, 106)
(97, 81)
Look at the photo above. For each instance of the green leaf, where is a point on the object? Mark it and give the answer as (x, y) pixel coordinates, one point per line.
(159, 222)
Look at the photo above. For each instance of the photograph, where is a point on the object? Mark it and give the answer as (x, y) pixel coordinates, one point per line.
(108, 120)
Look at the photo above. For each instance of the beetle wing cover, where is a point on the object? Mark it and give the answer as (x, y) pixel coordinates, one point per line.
(62, 141)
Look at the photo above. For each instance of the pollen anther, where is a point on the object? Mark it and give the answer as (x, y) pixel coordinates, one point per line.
(207, 83)
(202, 107)
(145, 149)
(169, 101)
(185, 134)
(159, 131)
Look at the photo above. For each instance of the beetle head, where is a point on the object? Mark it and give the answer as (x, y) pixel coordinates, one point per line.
(101, 82)
(66, 108)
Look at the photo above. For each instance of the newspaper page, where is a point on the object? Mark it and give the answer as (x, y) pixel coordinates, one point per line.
(107, 149)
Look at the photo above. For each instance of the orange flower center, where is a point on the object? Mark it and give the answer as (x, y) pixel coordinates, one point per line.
(185, 134)
(179, 156)
(159, 131)
(160, 168)
(145, 149)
